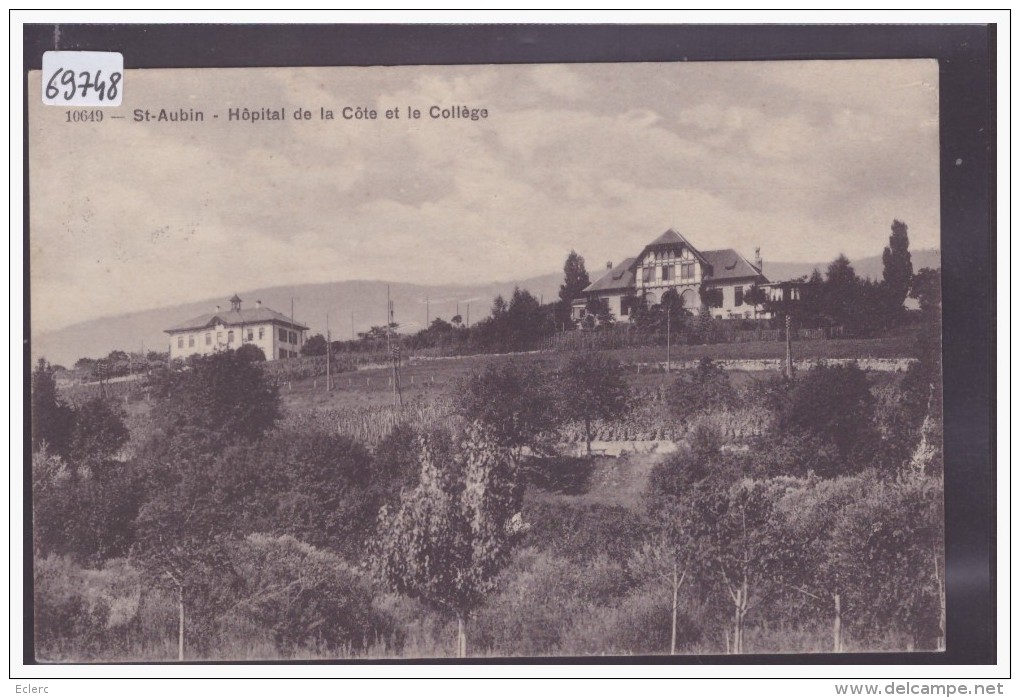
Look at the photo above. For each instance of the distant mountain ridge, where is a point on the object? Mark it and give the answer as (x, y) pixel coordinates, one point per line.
(366, 299)
(866, 267)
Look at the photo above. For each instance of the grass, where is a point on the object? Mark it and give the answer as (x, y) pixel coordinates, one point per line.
(425, 379)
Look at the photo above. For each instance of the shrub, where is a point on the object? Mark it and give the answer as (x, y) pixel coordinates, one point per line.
(304, 598)
(542, 596)
(833, 406)
(581, 531)
(707, 388)
(560, 474)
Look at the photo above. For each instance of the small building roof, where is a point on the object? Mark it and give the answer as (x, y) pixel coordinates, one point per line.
(730, 264)
(233, 318)
(619, 278)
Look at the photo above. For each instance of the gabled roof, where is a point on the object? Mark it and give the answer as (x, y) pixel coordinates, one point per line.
(730, 264)
(233, 318)
(619, 278)
(671, 237)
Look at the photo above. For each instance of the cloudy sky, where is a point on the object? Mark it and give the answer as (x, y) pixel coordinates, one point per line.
(804, 159)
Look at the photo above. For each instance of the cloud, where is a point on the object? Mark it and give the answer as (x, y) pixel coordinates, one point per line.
(804, 160)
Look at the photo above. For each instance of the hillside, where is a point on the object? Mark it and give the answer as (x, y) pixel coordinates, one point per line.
(366, 299)
(866, 267)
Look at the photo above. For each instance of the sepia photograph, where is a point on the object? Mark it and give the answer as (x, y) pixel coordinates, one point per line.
(487, 362)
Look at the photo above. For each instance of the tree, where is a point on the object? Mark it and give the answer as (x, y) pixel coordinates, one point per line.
(705, 389)
(840, 292)
(735, 522)
(524, 320)
(591, 388)
(575, 280)
(303, 597)
(224, 394)
(323, 488)
(832, 407)
(513, 400)
(454, 532)
(314, 346)
(755, 296)
(99, 433)
(183, 532)
(897, 270)
(598, 309)
(52, 420)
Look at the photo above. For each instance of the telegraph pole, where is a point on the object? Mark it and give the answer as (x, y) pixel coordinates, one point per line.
(667, 336)
(789, 350)
(389, 314)
(426, 312)
(329, 351)
(468, 322)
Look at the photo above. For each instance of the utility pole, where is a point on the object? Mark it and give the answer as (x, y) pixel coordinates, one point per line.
(389, 314)
(668, 305)
(352, 326)
(468, 322)
(426, 312)
(329, 351)
(789, 350)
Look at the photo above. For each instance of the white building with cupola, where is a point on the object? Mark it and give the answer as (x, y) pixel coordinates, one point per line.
(278, 336)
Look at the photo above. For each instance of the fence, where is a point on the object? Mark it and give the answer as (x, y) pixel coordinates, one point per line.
(629, 336)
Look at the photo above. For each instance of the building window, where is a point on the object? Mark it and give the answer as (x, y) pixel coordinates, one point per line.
(667, 274)
(648, 274)
(251, 334)
(191, 340)
(180, 342)
(283, 335)
(687, 271)
(230, 336)
(738, 296)
(219, 338)
(714, 298)
(262, 331)
(208, 338)
(293, 337)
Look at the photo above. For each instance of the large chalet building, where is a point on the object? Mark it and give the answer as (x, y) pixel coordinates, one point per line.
(715, 279)
(278, 336)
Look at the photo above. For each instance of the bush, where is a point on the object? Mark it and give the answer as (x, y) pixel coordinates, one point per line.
(305, 598)
(641, 623)
(559, 474)
(82, 614)
(542, 597)
(581, 531)
(832, 408)
(705, 389)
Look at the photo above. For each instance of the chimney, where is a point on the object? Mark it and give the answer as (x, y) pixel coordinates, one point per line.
(757, 258)
(217, 308)
(258, 304)
(609, 265)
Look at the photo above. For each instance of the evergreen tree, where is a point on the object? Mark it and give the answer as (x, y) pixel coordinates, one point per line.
(575, 280)
(52, 420)
(897, 269)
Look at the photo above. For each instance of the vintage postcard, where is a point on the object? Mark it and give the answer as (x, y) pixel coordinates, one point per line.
(486, 361)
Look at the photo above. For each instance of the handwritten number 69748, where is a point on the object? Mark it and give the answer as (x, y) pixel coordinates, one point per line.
(106, 89)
